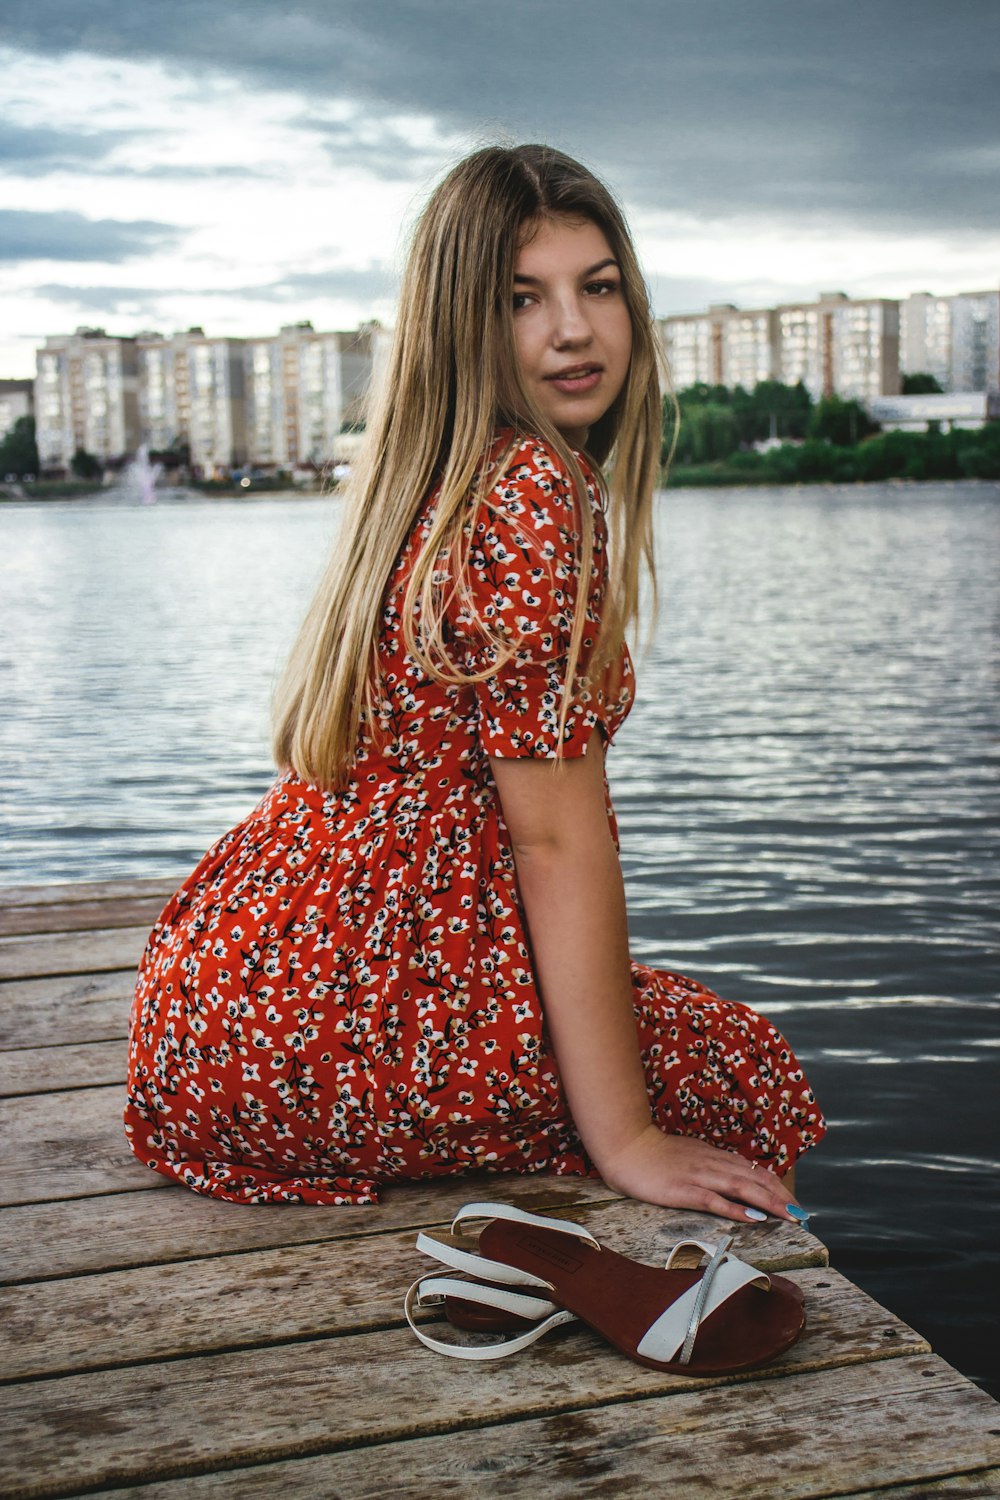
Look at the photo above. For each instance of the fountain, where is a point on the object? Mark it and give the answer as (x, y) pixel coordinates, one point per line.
(140, 477)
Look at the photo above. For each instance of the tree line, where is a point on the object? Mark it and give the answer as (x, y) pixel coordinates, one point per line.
(712, 429)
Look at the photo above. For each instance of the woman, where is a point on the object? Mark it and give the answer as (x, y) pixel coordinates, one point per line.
(411, 959)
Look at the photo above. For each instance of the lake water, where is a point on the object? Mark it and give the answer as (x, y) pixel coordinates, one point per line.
(807, 792)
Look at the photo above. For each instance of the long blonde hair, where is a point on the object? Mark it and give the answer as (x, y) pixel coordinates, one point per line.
(452, 380)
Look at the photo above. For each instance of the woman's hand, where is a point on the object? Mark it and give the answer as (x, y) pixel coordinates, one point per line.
(675, 1171)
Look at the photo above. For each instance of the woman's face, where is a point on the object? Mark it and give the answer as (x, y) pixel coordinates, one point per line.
(572, 329)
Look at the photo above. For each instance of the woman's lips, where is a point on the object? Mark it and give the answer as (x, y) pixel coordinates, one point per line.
(580, 378)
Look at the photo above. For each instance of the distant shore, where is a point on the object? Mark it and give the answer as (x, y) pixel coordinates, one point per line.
(681, 476)
(79, 489)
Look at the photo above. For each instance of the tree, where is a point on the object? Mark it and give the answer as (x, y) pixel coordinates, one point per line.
(18, 453)
(844, 423)
(921, 385)
(772, 409)
(85, 465)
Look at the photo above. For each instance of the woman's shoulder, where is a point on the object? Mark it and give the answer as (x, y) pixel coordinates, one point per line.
(528, 474)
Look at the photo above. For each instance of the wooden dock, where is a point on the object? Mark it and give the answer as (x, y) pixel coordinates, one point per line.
(165, 1346)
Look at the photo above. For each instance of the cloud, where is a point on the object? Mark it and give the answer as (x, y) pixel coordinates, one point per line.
(390, 150)
(880, 117)
(365, 284)
(191, 172)
(29, 235)
(30, 148)
(101, 299)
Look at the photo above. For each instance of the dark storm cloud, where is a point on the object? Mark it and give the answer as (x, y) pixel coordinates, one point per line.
(29, 235)
(879, 114)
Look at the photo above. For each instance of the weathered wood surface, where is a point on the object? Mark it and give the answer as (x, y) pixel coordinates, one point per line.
(109, 893)
(161, 1345)
(168, 1223)
(43, 1070)
(293, 1292)
(789, 1439)
(67, 1009)
(276, 1400)
(72, 952)
(20, 919)
(67, 1144)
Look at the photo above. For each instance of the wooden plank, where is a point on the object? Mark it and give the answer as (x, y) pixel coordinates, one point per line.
(297, 1291)
(791, 1439)
(167, 1222)
(59, 893)
(71, 1008)
(40, 1070)
(984, 1484)
(77, 916)
(66, 1145)
(194, 1415)
(42, 1240)
(72, 952)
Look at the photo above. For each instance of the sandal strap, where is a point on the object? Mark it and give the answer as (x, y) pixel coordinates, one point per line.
(444, 1285)
(704, 1247)
(676, 1329)
(477, 1265)
(434, 1289)
(485, 1211)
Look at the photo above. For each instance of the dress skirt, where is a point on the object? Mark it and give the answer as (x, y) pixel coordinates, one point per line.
(342, 994)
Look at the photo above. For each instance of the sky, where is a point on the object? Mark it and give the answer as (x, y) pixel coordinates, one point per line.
(242, 164)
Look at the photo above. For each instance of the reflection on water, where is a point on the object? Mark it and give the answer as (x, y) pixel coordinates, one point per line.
(806, 791)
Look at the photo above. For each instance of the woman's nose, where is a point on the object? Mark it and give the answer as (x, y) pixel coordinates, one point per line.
(571, 326)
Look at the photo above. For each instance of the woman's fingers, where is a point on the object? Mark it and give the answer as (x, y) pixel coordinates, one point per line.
(679, 1172)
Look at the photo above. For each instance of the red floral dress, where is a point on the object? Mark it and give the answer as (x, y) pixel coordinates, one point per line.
(341, 995)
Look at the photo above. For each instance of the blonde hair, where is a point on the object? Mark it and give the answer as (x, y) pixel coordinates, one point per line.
(452, 380)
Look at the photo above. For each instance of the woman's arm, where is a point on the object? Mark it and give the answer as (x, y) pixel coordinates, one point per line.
(571, 885)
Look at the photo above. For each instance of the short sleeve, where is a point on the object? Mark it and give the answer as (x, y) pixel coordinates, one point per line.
(521, 584)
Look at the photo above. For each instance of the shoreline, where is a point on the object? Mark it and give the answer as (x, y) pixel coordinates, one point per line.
(683, 479)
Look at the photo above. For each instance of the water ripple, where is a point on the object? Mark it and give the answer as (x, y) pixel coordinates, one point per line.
(806, 789)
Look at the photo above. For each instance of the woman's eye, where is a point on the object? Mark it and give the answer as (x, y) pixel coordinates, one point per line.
(603, 288)
(521, 299)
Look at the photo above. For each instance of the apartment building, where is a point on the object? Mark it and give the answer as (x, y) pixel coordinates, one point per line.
(192, 391)
(749, 347)
(853, 347)
(278, 402)
(803, 353)
(302, 389)
(725, 346)
(956, 339)
(86, 396)
(840, 345)
(863, 339)
(692, 349)
(17, 400)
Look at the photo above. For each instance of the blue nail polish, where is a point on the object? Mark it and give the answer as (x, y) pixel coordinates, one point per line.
(755, 1213)
(797, 1212)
